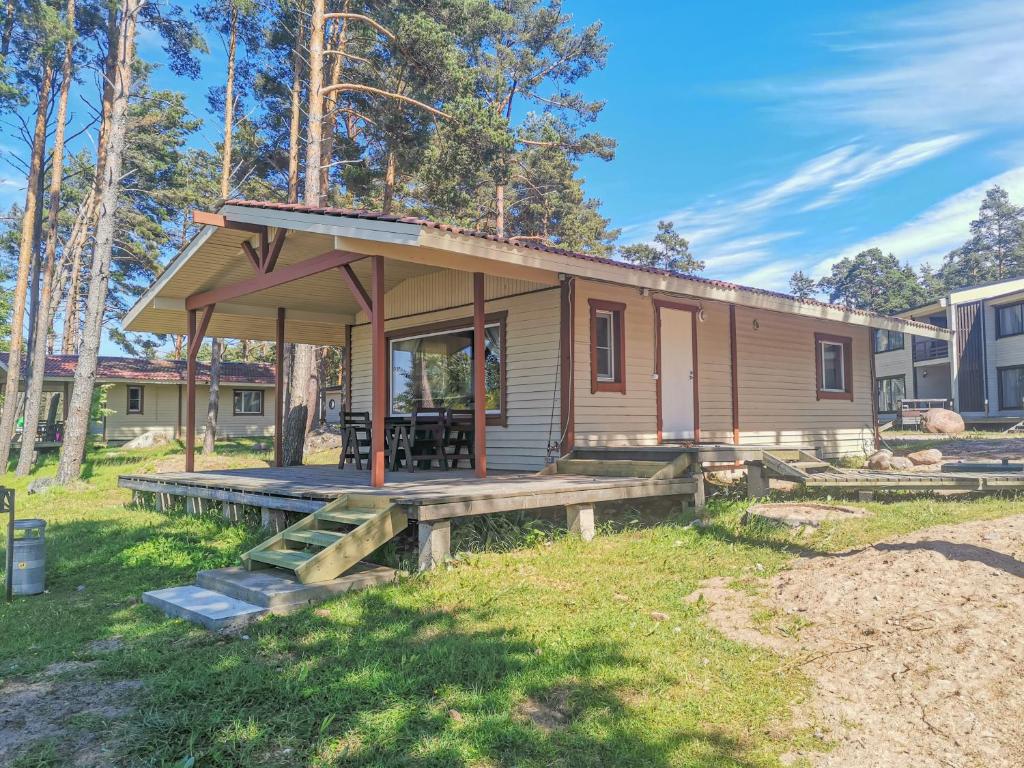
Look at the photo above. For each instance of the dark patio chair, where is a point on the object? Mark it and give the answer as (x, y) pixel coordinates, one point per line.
(428, 429)
(355, 438)
(460, 438)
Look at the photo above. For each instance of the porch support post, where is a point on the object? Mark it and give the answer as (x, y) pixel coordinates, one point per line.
(567, 407)
(379, 378)
(479, 378)
(279, 390)
(190, 394)
(734, 375)
(65, 404)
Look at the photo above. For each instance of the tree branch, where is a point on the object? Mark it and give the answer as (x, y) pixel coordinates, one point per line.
(387, 94)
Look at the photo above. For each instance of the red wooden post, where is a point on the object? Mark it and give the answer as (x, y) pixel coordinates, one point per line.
(479, 378)
(279, 391)
(190, 393)
(380, 372)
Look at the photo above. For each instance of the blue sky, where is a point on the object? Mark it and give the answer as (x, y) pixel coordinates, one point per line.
(783, 136)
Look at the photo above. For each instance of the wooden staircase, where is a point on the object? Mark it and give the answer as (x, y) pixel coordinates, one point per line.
(623, 462)
(803, 465)
(328, 542)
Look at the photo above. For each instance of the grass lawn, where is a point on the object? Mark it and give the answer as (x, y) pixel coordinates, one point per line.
(545, 654)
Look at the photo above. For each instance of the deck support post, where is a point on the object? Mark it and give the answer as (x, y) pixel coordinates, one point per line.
(699, 494)
(279, 390)
(190, 394)
(379, 378)
(231, 511)
(757, 480)
(580, 520)
(479, 378)
(435, 538)
(273, 519)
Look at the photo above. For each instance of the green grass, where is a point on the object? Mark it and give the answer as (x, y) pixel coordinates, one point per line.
(434, 670)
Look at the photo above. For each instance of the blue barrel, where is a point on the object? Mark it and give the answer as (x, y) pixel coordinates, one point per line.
(29, 572)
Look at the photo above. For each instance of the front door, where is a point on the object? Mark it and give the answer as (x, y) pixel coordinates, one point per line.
(676, 373)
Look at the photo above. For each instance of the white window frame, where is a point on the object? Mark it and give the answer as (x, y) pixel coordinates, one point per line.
(608, 314)
(842, 366)
(241, 391)
(445, 332)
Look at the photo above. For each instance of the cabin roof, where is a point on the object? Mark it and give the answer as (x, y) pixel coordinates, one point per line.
(156, 371)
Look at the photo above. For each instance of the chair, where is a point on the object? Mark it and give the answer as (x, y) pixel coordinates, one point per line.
(355, 438)
(428, 429)
(460, 437)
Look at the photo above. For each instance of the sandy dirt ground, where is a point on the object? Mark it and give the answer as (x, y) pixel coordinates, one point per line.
(915, 646)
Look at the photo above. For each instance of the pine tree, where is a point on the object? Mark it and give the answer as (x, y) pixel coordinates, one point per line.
(669, 251)
(873, 281)
(802, 285)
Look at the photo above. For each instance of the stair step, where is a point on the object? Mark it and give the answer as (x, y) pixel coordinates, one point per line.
(609, 468)
(349, 516)
(314, 537)
(282, 558)
(809, 464)
(211, 609)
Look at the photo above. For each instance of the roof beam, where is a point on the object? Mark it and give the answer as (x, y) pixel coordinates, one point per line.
(206, 218)
(358, 292)
(322, 263)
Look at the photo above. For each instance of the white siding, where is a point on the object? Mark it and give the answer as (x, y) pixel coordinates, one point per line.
(1001, 353)
(531, 355)
(160, 412)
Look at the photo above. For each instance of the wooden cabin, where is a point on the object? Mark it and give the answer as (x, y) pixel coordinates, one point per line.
(571, 350)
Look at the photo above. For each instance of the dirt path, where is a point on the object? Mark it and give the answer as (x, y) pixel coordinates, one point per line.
(916, 646)
(967, 448)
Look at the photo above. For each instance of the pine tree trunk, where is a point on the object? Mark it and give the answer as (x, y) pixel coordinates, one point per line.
(390, 173)
(330, 129)
(210, 435)
(213, 406)
(26, 255)
(77, 427)
(499, 206)
(296, 115)
(302, 369)
(37, 355)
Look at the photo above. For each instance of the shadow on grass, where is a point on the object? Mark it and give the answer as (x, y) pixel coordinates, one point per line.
(380, 681)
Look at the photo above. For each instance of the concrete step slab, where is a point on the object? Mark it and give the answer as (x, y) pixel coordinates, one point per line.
(280, 592)
(213, 610)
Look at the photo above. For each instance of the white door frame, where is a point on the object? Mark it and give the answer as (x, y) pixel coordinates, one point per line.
(694, 310)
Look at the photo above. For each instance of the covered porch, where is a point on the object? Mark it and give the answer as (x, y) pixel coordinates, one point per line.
(270, 274)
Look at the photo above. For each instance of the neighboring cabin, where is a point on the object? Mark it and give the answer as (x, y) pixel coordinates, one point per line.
(149, 395)
(981, 371)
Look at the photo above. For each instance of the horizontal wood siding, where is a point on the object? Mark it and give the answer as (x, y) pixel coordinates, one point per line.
(616, 418)
(531, 348)
(714, 374)
(160, 412)
(777, 385)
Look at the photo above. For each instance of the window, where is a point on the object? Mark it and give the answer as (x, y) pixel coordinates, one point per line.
(434, 369)
(248, 402)
(1010, 320)
(833, 361)
(135, 397)
(607, 346)
(888, 341)
(1011, 388)
(891, 389)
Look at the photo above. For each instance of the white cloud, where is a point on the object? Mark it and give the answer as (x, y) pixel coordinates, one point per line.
(938, 230)
(944, 66)
(887, 164)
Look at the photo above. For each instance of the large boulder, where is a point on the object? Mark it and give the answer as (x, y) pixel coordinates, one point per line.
(880, 460)
(149, 439)
(900, 463)
(326, 437)
(941, 421)
(926, 457)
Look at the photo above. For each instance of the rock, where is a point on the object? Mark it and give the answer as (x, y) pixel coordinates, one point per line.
(326, 437)
(941, 421)
(659, 616)
(900, 463)
(149, 439)
(880, 460)
(41, 484)
(455, 715)
(926, 457)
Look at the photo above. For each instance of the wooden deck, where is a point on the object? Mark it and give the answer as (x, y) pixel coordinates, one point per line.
(427, 495)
